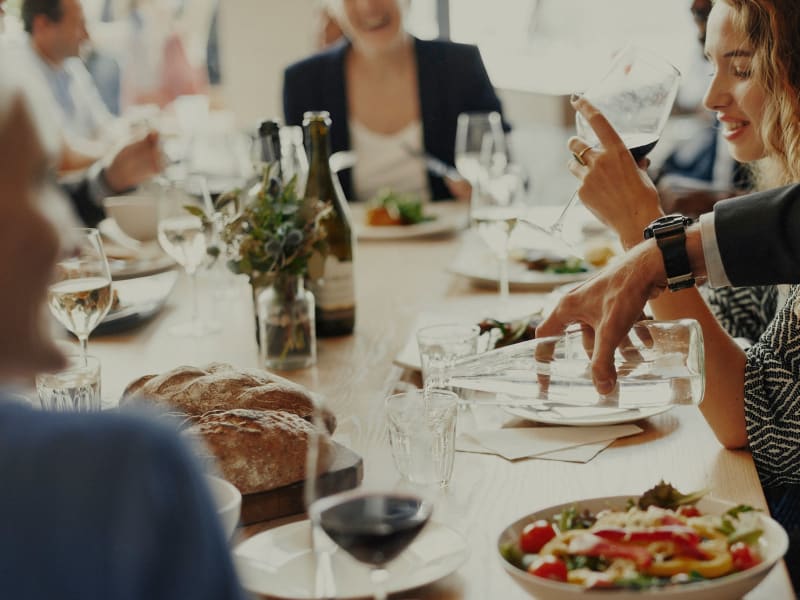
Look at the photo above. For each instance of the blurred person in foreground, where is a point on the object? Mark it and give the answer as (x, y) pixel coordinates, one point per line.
(391, 98)
(94, 506)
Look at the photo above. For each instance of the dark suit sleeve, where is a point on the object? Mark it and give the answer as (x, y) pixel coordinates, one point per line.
(480, 94)
(293, 102)
(80, 196)
(759, 236)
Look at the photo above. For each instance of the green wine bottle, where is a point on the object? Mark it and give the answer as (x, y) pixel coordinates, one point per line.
(334, 287)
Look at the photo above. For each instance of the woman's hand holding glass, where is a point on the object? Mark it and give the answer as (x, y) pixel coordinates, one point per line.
(612, 185)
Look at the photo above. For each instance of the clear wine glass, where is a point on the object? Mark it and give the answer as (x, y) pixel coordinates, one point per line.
(497, 204)
(471, 129)
(185, 236)
(636, 96)
(372, 523)
(80, 295)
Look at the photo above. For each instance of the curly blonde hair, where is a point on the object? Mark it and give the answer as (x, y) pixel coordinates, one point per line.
(772, 28)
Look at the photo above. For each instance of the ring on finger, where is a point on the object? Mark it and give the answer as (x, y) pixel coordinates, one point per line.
(579, 156)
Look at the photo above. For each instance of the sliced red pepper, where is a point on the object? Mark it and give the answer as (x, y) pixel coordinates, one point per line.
(685, 538)
(592, 545)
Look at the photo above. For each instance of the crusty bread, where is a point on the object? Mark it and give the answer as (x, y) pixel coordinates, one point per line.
(195, 391)
(259, 450)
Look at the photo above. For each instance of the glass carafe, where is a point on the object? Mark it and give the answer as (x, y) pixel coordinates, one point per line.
(659, 363)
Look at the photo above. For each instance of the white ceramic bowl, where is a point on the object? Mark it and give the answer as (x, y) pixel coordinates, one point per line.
(137, 216)
(772, 545)
(228, 501)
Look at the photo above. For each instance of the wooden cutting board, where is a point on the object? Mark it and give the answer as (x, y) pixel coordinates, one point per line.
(345, 473)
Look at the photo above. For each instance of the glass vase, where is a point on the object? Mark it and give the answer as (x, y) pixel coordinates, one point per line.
(285, 312)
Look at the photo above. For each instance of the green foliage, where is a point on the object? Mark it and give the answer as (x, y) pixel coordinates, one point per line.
(275, 233)
(666, 496)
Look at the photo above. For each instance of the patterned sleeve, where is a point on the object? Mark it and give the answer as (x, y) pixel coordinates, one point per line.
(771, 398)
(744, 312)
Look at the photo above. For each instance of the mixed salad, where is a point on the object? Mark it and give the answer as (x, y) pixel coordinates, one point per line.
(660, 539)
(393, 208)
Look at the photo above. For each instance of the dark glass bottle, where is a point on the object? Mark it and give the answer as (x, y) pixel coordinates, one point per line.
(334, 287)
(269, 141)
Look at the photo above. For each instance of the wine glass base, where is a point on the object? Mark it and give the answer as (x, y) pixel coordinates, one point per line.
(197, 328)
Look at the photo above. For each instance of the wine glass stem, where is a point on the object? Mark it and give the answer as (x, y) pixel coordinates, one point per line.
(378, 576)
(504, 280)
(558, 226)
(195, 299)
(83, 340)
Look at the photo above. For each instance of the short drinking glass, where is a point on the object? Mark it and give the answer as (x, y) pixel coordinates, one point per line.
(422, 432)
(75, 388)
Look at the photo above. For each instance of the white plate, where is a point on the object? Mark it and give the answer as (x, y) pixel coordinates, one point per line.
(476, 263)
(140, 299)
(602, 416)
(128, 258)
(773, 544)
(450, 218)
(279, 562)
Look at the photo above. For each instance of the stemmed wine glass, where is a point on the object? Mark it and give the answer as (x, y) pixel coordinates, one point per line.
(636, 96)
(185, 235)
(372, 524)
(80, 295)
(471, 130)
(497, 202)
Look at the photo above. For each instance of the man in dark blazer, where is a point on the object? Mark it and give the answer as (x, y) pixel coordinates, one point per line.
(452, 79)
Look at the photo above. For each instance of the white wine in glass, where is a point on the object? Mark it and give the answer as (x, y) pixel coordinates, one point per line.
(80, 295)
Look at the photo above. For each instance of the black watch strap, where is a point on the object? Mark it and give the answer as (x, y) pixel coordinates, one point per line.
(670, 235)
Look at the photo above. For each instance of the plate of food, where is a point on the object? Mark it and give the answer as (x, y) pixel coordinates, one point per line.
(662, 544)
(280, 562)
(528, 269)
(495, 333)
(393, 216)
(136, 301)
(129, 258)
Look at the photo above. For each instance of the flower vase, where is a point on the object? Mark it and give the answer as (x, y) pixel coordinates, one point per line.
(287, 336)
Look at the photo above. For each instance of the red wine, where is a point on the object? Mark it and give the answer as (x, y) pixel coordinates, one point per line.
(640, 144)
(373, 528)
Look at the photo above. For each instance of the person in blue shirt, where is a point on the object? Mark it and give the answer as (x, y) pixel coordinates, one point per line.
(97, 506)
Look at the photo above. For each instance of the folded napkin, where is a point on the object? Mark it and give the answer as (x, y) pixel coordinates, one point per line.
(578, 444)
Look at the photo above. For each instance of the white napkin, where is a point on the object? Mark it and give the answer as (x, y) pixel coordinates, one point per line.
(516, 443)
(577, 454)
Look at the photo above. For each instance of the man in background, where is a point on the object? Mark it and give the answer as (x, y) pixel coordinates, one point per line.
(57, 30)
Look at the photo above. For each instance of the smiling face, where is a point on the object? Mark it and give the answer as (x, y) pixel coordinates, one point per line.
(372, 25)
(735, 92)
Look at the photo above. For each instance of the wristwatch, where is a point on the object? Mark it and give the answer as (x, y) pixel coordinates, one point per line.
(670, 235)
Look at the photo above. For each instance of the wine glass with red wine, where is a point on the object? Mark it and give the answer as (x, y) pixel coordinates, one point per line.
(372, 523)
(636, 96)
(373, 526)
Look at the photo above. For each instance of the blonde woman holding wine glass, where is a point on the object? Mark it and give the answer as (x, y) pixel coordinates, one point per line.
(750, 396)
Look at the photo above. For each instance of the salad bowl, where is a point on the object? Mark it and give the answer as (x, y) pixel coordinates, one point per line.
(771, 545)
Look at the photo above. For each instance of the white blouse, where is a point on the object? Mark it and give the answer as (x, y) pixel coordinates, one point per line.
(386, 161)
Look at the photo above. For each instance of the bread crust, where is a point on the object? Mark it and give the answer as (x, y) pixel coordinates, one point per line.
(259, 450)
(195, 391)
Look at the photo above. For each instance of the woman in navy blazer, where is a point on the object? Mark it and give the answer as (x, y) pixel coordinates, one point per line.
(450, 79)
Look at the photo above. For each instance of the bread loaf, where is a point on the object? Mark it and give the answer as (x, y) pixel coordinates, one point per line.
(195, 391)
(259, 450)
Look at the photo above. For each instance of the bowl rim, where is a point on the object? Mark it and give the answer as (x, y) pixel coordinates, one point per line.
(713, 505)
(224, 483)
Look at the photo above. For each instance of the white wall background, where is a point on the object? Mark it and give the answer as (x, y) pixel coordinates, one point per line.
(258, 38)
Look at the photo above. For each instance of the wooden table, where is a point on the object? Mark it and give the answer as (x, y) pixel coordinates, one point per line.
(395, 282)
